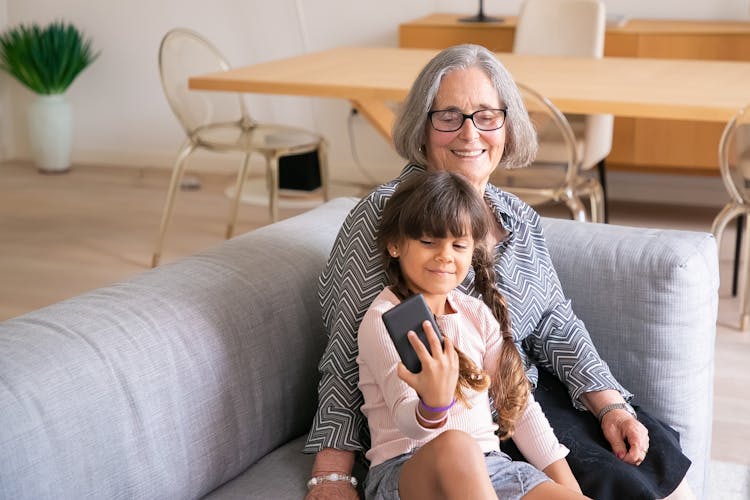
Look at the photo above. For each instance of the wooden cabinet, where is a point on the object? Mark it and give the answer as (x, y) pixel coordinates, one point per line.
(639, 144)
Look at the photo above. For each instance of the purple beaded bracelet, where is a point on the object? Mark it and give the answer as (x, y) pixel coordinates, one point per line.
(437, 409)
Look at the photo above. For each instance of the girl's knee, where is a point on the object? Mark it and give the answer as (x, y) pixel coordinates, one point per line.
(456, 441)
(450, 466)
(458, 450)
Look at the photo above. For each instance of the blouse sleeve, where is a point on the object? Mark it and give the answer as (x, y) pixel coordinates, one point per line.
(350, 281)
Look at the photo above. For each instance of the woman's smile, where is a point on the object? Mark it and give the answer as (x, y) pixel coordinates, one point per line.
(468, 153)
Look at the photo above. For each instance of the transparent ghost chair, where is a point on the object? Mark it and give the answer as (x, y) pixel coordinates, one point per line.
(553, 180)
(569, 28)
(734, 164)
(220, 122)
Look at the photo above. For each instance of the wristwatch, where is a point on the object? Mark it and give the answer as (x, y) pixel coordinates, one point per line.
(616, 406)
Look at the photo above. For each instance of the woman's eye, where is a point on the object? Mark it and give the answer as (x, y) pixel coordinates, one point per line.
(426, 242)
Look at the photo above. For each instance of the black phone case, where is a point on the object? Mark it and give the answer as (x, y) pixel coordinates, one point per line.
(409, 316)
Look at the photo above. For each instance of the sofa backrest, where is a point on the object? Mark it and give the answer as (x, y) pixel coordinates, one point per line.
(171, 383)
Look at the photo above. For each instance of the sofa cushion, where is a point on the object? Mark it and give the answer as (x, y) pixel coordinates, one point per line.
(280, 474)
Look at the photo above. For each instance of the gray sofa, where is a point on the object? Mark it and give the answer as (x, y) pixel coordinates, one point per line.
(198, 379)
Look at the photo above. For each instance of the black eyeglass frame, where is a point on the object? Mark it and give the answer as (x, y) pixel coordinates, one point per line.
(464, 116)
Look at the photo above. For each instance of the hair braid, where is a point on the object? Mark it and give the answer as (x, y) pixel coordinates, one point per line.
(510, 387)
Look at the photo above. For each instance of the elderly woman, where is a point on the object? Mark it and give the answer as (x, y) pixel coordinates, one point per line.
(464, 114)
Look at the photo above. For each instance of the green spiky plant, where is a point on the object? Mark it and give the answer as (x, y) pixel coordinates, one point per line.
(45, 59)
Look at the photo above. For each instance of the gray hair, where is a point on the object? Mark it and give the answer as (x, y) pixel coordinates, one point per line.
(409, 130)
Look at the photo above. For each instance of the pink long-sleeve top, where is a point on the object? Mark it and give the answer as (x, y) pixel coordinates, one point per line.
(390, 404)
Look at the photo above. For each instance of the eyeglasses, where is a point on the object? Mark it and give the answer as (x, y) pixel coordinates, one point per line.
(450, 120)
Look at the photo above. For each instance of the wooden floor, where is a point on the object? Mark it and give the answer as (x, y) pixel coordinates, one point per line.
(63, 234)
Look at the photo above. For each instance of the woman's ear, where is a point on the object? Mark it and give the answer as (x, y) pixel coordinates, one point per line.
(392, 250)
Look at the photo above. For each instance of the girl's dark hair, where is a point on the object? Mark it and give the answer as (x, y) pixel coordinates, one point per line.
(438, 204)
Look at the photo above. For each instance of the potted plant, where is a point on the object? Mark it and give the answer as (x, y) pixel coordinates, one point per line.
(47, 60)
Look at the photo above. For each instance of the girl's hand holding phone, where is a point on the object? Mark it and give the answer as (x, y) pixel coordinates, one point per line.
(436, 383)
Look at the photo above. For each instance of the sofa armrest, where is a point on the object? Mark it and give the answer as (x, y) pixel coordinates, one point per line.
(649, 298)
(171, 383)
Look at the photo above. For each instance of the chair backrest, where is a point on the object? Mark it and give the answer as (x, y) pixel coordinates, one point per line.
(550, 122)
(569, 28)
(734, 156)
(183, 53)
(561, 28)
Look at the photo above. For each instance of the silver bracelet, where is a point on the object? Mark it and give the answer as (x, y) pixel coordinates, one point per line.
(331, 478)
(616, 406)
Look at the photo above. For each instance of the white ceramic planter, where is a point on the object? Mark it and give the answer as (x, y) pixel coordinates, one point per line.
(51, 132)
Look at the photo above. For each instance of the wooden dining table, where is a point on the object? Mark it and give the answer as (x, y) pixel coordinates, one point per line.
(372, 78)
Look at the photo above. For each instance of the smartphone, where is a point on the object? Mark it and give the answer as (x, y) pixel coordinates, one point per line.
(409, 316)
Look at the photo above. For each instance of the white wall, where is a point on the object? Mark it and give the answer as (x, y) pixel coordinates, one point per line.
(121, 116)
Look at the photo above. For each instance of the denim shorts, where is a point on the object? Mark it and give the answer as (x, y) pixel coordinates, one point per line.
(511, 480)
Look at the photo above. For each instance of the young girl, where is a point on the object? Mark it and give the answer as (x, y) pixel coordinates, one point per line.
(432, 231)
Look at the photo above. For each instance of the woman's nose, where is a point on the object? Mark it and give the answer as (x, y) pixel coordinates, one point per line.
(468, 129)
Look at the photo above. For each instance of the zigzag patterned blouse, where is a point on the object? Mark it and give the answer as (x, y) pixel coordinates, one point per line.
(546, 329)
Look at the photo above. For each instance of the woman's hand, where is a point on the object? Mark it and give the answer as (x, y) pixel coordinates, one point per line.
(625, 434)
(436, 383)
(622, 430)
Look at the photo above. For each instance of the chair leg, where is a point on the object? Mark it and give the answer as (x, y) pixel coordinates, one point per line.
(177, 171)
(323, 162)
(239, 185)
(272, 178)
(729, 212)
(576, 207)
(745, 283)
(601, 167)
(596, 200)
(737, 249)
